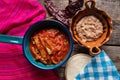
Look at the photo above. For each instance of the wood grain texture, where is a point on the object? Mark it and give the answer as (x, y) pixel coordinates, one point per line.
(111, 7)
(115, 38)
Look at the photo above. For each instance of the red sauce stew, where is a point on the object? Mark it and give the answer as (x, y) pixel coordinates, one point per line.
(49, 46)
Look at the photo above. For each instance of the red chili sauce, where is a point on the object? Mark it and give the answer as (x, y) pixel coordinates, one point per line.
(49, 46)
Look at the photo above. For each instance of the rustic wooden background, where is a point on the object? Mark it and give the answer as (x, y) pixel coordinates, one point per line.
(112, 48)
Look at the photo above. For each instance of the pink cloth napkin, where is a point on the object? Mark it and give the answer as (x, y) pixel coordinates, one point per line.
(15, 18)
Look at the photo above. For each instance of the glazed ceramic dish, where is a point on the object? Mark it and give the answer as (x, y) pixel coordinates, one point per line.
(25, 42)
(91, 10)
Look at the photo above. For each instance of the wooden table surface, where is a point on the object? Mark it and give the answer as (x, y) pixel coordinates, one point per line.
(112, 47)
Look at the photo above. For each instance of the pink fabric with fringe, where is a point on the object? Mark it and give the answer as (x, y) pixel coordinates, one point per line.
(15, 18)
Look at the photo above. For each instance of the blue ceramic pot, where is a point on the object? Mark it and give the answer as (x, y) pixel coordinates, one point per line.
(25, 41)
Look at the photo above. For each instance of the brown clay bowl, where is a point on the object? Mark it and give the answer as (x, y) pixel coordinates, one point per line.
(91, 10)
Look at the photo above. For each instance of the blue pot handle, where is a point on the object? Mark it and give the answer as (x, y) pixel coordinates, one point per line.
(11, 39)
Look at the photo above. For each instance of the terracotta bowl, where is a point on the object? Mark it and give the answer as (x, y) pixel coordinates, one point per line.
(91, 10)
